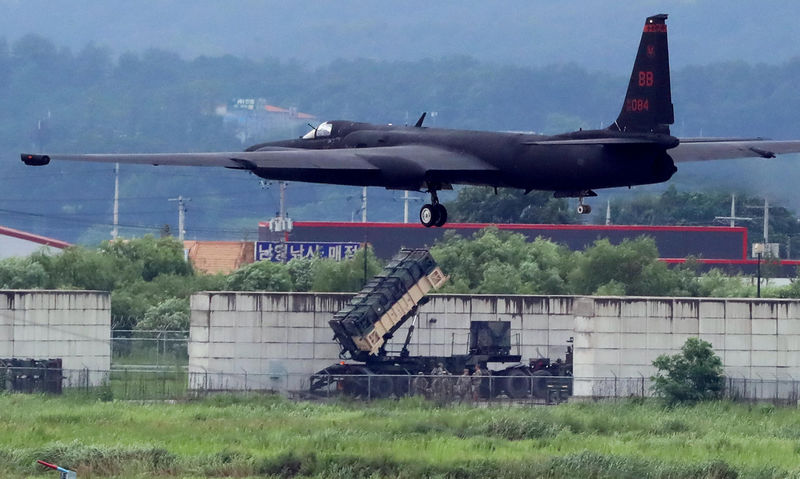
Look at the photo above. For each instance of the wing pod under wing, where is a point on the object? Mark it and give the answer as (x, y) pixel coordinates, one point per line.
(702, 149)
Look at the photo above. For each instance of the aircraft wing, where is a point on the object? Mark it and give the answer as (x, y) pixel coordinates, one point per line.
(379, 166)
(704, 149)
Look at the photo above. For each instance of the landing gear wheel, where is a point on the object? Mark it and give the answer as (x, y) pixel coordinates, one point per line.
(428, 215)
(441, 214)
(584, 209)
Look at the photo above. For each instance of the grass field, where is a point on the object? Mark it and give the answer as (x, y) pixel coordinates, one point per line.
(266, 436)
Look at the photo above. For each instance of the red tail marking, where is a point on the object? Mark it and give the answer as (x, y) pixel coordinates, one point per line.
(655, 28)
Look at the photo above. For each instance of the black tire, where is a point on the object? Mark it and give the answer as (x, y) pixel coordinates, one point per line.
(356, 385)
(402, 384)
(381, 386)
(441, 213)
(517, 384)
(541, 379)
(428, 215)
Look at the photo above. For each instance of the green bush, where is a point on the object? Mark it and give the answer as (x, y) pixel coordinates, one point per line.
(694, 374)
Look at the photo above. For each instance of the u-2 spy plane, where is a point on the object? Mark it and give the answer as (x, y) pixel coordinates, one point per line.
(636, 149)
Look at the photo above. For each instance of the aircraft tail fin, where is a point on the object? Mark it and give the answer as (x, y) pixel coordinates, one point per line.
(648, 102)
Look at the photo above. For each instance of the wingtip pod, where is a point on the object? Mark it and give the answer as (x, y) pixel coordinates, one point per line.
(35, 160)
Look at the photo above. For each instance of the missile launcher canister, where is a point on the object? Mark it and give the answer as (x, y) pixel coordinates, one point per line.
(391, 297)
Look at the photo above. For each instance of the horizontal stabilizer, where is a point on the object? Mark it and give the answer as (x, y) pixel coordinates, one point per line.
(705, 149)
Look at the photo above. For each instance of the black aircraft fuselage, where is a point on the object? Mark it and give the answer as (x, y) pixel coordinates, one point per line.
(519, 160)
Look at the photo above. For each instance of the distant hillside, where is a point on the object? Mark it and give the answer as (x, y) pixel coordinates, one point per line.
(88, 100)
(597, 35)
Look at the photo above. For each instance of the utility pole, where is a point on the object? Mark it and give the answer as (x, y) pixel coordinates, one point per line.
(732, 218)
(181, 215)
(364, 205)
(406, 199)
(282, 208)
(766, 220)
(283, 212)
(115, 230)
(405, 207)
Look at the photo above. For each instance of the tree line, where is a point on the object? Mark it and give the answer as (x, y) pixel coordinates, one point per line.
(669, 207)
(150, 280)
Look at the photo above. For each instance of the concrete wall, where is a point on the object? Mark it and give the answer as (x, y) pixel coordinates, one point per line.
(72, 325)
(757, 340)
(277, 340)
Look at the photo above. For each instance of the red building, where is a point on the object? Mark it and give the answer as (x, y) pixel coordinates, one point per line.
(713, 246)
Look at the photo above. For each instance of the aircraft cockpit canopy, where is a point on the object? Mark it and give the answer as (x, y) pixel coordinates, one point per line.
(322, 131)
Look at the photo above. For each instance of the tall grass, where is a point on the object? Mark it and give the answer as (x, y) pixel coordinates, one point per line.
(267, 436)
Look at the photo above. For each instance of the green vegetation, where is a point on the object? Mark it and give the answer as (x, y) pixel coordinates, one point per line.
(495, 261)
(150, 281)
(674, 207)
(670, 207)
(694, 374)
(265, 436)
(479, 204)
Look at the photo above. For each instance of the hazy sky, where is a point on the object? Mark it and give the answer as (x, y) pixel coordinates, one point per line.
(600, 35)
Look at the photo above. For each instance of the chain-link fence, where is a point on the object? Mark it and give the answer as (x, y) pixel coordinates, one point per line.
(161, 383)
(145, 348)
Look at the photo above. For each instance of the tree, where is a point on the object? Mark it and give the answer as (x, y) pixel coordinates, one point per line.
(260, 276)
(169, 315)
(345, 275)
(21, 273)
(631, 268)
(495, 261)
(694, 374)
(149, 256)
(481, 204)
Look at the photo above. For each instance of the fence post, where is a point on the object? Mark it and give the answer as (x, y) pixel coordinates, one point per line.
(616, 396)
(642, 375)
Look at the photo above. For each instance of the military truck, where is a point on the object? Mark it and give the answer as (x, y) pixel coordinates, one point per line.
(363, 328)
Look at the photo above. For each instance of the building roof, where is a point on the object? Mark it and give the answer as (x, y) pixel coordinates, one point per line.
(219, 256)
(42, 240)
(275, 109)
(293, 112)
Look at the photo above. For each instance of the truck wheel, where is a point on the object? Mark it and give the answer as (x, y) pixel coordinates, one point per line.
(401, 385)
(517, 384)
(541, 379)
(355, 384)
(381, 386)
